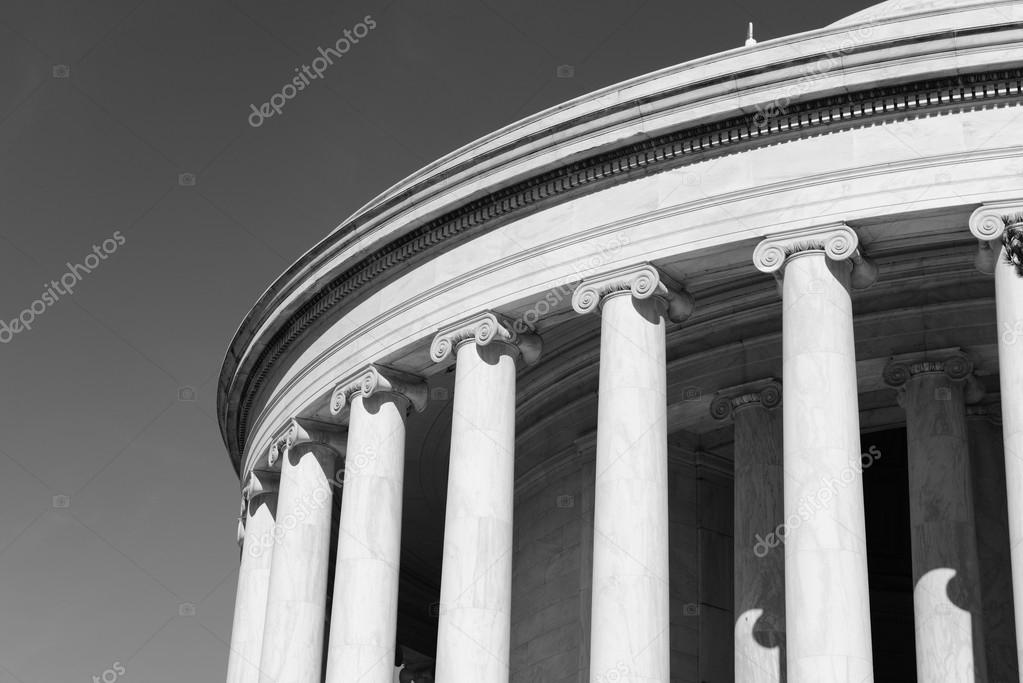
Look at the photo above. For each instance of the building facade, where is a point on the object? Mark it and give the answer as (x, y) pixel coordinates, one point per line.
(712, 375)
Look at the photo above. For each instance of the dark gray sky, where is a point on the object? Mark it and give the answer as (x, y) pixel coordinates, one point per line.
(92, 393)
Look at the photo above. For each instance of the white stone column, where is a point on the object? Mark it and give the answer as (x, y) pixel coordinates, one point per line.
(364, 616)
(292, 652)
(989, 224)
(827, 612)
(759, 562)
(259, 498)
(474, 631)
(629, 633)
(946, 589)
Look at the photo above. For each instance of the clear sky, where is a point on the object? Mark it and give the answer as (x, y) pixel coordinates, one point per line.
(124, 126)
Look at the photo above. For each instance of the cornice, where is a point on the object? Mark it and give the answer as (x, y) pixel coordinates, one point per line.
(656, 154)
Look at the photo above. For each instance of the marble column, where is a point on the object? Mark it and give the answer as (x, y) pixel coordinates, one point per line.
(474, 630)
(827, 600)
(309, 453)
(759, 562)
(990, 224)
(260, 504)
(629, 636)
(987, 465)
(364, 616)
(946, 592)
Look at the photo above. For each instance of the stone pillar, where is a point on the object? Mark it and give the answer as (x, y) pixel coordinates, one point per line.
(759, 504)
(990, 224)
(259, 498)
(987, 465)
(364, 616)
(293, 636)
(629, 638)
(827, 601)
(474, 630)
(946, 592)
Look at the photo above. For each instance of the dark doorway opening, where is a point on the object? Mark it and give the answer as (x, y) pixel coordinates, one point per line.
(889, 555)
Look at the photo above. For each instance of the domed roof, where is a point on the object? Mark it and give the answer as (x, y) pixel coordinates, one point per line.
(893, 9)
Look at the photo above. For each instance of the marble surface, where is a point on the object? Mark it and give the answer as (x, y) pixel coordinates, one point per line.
(474, 631)
(826, 593)
(293, 637)
(759, 567)
(629, 637)
(946, 574)
(251, 597)
(1009, 304)
(365, 603)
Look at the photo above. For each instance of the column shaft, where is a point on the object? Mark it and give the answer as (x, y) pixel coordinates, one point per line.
(1009, 304)
(296, 608)
(826, 594)
(253, 588)
(365, 606)
(630, 619)
(946, 592)
(759, 564)
(473, 639)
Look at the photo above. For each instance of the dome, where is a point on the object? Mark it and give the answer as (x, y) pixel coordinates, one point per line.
(895, 9)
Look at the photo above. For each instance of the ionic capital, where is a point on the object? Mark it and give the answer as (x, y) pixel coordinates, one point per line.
(325, 439)
(838, 241)
(764, 393)
(996, 225)
(374, 379)
(483, 329)
(260, 483)
(642, 281)
(953, 363)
